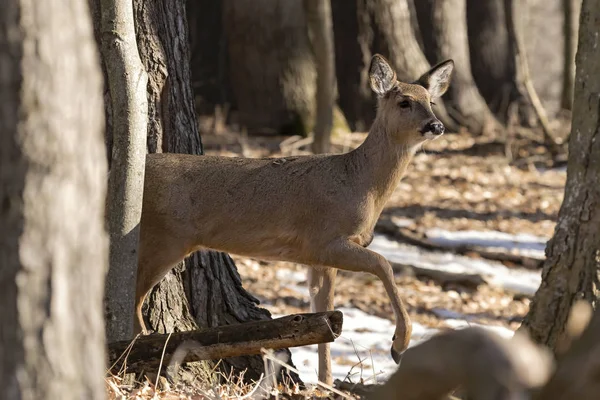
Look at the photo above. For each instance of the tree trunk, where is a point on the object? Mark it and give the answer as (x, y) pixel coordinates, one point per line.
(318, 18)
(205, 290)
(571, 10)
(127, 81)
(444, 31)
(571, 270)
(353, 39)
(363, 28)
(209, 57)
(272, 71)
(53, 246)
(530, 102)
(491, 63)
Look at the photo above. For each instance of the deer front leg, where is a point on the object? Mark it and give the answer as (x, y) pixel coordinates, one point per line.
(321, 285)
(158, 254)
(347, 255)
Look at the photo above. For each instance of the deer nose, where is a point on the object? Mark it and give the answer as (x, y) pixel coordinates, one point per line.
(435, 127)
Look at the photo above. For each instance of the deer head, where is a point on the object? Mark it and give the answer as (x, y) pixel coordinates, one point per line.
(404, 109)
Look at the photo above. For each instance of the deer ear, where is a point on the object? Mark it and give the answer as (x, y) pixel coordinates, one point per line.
(381, 75)
(437, 79)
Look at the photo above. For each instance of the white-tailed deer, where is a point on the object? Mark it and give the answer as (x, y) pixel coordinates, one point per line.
(316, 210)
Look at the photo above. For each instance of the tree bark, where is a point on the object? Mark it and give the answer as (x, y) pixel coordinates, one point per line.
(272, 71)
(205, 290)
(444, 30)
(318, 18)
(571, 9)
(571, 270)
(127, 81)
(53, 246)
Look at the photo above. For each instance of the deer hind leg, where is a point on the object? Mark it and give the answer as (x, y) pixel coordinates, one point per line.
(347, 255)
(158, 255)
(321, 284)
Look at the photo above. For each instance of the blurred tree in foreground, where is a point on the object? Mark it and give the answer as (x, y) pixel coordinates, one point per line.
(572, 267)
(53, 246)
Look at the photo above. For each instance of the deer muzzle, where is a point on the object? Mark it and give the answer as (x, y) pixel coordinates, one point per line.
(433, 129)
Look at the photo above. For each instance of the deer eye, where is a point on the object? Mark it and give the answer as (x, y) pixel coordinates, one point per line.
(404, 104)
(432, 103)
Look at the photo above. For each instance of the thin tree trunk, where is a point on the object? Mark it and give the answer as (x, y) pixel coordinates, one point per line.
(571, 10)
(444, 27)
(572, 266)
(318, 18)
(127, 81)
(272, 71)
(53, 246)
(205, 290)
(525, 85)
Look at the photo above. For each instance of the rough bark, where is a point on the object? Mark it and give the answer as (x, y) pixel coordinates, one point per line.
(444, 30)
(318, 18)
(53, 246)
(571, 10)
(571, 270)
(149, 352)
(272, 71)
(205, 290)
(127, 81)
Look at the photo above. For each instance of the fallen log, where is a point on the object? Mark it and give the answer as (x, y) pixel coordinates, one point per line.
(147, 352)
(387, 227)
(442, 278)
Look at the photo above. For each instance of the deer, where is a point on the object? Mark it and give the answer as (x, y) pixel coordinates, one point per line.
(316, 210)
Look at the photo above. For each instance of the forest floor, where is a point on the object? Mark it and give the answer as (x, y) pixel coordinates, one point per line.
(466, 230)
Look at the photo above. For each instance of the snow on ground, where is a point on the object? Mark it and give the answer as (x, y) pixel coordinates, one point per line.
(523, 244)
(363, 350)
(517, 280)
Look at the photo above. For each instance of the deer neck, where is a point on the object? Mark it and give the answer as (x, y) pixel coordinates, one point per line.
(381, 162)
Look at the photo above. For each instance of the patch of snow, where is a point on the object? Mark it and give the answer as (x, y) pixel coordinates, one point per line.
(290, 275)
(523, 244)
(363, 349)
(518, 280)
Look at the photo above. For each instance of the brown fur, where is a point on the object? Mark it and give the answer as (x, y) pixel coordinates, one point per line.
(316, 210)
